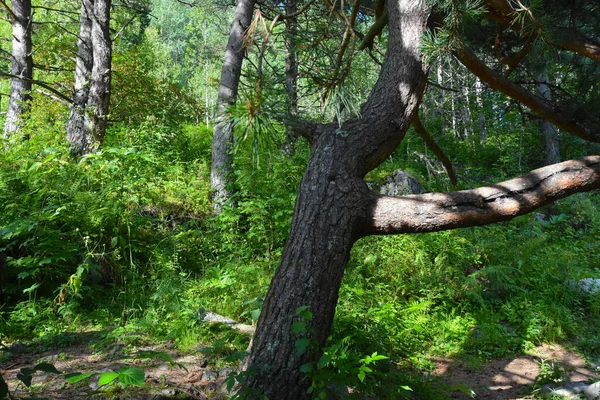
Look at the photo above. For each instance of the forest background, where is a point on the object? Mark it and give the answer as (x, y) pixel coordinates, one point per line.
(125, 239)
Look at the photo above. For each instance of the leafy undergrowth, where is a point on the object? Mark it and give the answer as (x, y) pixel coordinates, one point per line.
(123, 242)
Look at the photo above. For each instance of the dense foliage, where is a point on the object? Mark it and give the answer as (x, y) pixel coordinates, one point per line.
(125, 237)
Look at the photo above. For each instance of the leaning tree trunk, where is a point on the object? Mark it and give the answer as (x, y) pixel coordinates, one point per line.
(79, 138)
(22, 66)
(549, 135)
(330, 210)
(96, 112)
(221, 172)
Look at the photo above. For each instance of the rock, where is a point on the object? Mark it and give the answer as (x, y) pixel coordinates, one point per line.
(94, 385)
(589, 285)
(169, 392)
(566, 389)
(164, 367)
(209, 375)
(401, 183)
(17, 348)
(592, 392)
(224, 373)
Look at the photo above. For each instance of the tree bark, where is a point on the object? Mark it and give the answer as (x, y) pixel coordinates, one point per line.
(96, 112)
(221, 172)
(77, 135)
(433, 212)
(330, 209)
(549, 134)
(22, 66)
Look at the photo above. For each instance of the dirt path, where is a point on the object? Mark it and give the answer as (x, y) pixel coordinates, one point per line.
(162, 380)
(512, 378)
(499, 379)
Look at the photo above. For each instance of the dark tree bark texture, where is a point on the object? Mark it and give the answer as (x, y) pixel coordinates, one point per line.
(77, 135)
(22, 66)
(331, 208)
(221, 171)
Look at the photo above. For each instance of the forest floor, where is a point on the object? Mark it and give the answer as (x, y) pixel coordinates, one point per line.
(513, 378)
(510, 378)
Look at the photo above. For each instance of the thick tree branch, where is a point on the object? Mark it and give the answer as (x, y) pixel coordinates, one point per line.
(502, 11)
(432, 212)
(420, 129)
(375, 30)
(55, 98)
(538, 105)
(578, 43)
(306, 129)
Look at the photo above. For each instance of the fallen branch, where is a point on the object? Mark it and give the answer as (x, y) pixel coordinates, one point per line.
(422, 131)
(209, 316)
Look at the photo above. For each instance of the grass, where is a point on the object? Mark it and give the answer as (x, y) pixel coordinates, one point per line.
(123, 243)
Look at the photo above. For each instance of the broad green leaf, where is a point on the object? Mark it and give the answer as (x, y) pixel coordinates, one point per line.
(404, 387)
(77, 376)
(323, 361)
(306, 368)
(131, 376)
(377, 357)
(299, 327)
(107, 377)
(361, 375)
(300, 310)
(255, 314)
(302, 346)
(307, 315)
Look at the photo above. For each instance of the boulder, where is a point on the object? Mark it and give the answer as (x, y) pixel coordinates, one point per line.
(589, 285)
(401, 183)
(592, 392)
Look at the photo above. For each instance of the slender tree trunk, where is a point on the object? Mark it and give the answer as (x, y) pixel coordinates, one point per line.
(22, 66)
(96, 114)
(440, 95)
(291, 70)
(453, 103)
(330, 210)
(549, 134)
(221, 172)
(466, 114)
(482, 125)
(77, 135)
